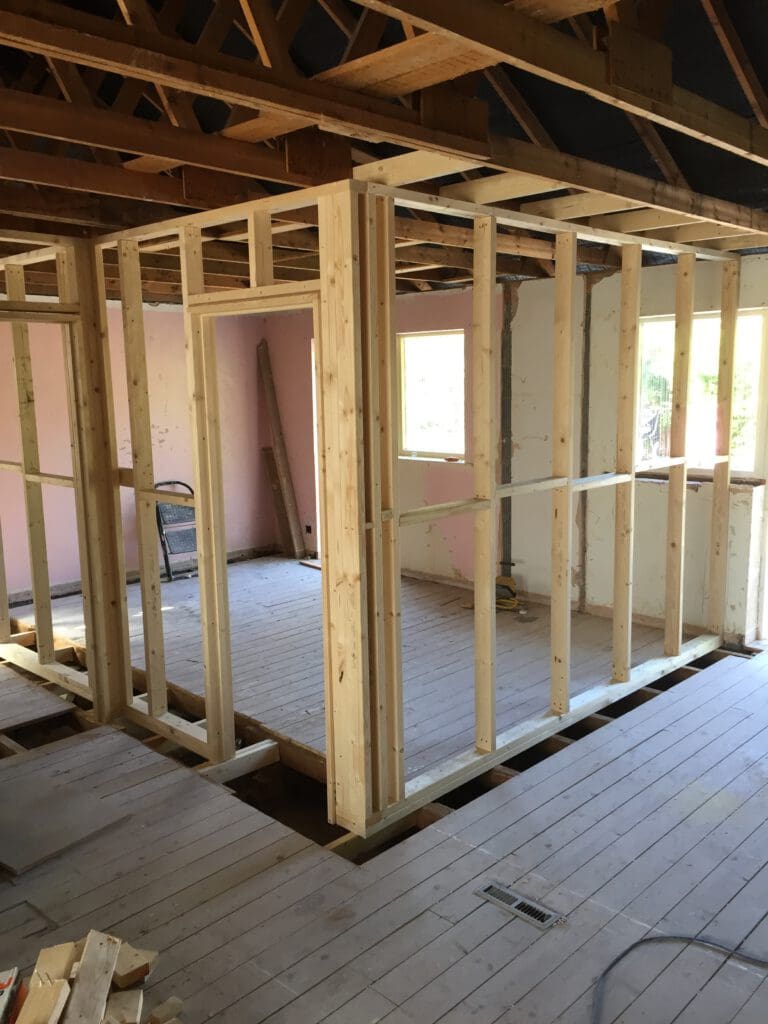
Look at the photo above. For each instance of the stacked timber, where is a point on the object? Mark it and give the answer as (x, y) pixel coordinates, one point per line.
(94, 981)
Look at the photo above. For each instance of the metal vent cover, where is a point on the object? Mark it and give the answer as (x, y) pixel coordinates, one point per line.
(519, 905)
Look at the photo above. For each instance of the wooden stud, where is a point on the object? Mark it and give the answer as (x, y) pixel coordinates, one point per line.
(260, 248)
(209, 490)
(718, 567)
(377, 653)
(134, 344)
(485, 425)
(33, 491)
(684, 305)
(343, 549)
(562, 466)
(389, 418)
(280, 452)
(629, 355)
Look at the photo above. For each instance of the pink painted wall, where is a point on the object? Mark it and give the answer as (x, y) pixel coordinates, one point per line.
(249, 515)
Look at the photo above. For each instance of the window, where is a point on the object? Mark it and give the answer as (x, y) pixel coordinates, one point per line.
(657, 348)
(432, 395)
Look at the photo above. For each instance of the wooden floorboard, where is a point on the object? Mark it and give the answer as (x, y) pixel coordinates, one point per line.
(23, 701)
(655, 824)
(276, 610)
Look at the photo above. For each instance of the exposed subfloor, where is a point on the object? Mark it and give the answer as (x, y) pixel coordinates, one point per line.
(656, 822)
(276, 610)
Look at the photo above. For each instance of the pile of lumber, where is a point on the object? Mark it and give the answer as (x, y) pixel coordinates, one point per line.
(94, 981)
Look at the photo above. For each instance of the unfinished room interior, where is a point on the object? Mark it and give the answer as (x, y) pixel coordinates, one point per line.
(383, 513)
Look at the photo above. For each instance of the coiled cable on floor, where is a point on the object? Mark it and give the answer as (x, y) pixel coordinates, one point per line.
(687, 940)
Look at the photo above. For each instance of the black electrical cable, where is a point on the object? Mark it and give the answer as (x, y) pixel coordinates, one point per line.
(688, 940)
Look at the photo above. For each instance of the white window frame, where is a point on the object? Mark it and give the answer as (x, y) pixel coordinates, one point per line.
(761, 436)
(424, 456)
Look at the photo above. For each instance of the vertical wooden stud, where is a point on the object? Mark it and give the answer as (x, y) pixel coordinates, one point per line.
(718, 568)
(30, 457)
(109, 669)
(562, 466)
(260, 248)
(485, 434)
(65, 279)
(389, 418)
(629, 356)
(377, 661)
(209, 502)
(684, 303)
(343, 496)
(134, 344)
(280, 452)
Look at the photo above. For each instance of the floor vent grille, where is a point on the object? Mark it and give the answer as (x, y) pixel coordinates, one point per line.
(506, 898)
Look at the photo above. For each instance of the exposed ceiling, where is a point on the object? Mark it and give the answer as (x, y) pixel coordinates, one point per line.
(109, 119)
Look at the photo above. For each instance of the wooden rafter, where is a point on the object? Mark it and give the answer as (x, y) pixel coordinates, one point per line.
(509, 37)
(90, 126)
(734, 50)
(108, 47)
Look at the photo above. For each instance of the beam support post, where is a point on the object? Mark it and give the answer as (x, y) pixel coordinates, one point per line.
(343, 483)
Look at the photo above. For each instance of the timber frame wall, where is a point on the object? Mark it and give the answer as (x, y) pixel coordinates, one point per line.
(352, 302)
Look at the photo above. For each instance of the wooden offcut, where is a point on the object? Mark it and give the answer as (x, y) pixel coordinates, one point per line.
(280, 453)
(90, 989)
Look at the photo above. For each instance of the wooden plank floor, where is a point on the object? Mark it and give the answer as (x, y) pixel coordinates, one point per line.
(276, 613)
(23, 702)
(655, 824)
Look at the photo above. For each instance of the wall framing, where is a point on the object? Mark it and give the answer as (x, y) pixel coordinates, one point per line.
(352, 301)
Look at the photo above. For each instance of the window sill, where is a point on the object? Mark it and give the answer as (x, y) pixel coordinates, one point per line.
(705, 476)
(443, 460)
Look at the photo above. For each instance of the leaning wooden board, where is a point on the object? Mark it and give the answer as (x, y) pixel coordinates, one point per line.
(36, 824)
(23, 702)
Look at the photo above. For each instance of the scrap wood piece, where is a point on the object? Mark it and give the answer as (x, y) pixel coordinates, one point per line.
(54, 963)
(125, 1007)
(90, 989)
(45, 1003)
(133, 965)
(281, 513)
(280, 451)
(166, 1012)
